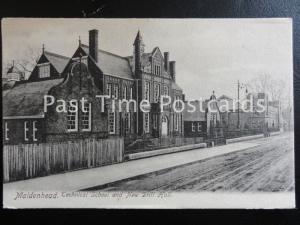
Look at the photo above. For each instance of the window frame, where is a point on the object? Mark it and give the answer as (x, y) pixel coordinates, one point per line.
(6, 132)
(156, 92)
(199, 125)
(147, 90)
(166, 90)
(176, 125)
(146, 123)
(26, 129)
(76, 118)
(89, 118)
(114, 122)
(131, 92)
(34, 130)
(116, 91)
(109, 89)
(193, 127)
(41, 70)
(124, 92)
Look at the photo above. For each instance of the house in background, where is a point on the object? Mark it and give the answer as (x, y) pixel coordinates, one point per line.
(12, 76)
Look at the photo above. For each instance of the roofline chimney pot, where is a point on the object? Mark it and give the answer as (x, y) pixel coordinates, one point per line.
(93, 44)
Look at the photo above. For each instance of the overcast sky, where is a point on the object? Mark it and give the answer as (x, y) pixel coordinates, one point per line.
(210, 54)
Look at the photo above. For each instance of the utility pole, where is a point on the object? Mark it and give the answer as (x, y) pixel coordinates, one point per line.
(238, 122)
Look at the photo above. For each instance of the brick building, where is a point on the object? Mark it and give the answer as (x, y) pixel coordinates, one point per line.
(91, 71)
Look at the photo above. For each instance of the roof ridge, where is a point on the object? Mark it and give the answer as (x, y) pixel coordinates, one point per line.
(113, 54)
(55, 54)
(110, 53)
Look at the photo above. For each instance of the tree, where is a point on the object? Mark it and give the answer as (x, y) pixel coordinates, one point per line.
(277, 89)
(25, 64)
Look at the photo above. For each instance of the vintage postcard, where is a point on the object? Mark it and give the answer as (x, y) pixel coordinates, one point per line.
(147, 113)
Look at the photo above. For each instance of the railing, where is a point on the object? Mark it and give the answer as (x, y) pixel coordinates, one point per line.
(33, 160)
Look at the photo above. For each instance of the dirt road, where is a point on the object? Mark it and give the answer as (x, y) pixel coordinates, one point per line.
(267, 167)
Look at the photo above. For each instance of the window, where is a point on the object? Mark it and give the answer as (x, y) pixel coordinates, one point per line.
(146, 122)
(34, 130)
(131, 93)
(111, 121)
(156, 92)
(44, 70)
(193, 127)
(25, 131)
(6, 132)
(178, 104)
(213, 117)
(199, 127)
(72, 117)
(86, 117)
(125, 92)
(116, 91)
(157, 67)
(166, 90)
(127, 122)
(108, 89)
(176, 122)
(147, 90)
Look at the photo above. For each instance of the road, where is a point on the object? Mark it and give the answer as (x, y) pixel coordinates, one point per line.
(268, 167)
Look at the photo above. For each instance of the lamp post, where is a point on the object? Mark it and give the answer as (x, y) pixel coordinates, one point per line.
(240, 87)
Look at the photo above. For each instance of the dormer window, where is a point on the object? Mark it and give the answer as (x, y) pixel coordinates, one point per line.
(44, 70)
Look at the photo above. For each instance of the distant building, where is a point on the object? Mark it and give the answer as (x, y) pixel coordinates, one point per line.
(12, 76)
(194, 122)
(252, 118)
(203, 124)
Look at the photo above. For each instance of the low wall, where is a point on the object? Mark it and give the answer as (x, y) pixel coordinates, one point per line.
(164, 151)
(245, 138)
(149, 144)
(34, 160)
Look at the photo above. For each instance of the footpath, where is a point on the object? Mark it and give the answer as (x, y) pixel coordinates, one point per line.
(88, 178)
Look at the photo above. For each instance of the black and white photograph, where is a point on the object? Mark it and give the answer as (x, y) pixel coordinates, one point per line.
(148, 113)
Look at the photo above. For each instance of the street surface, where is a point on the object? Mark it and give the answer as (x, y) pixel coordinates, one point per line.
(268, 167)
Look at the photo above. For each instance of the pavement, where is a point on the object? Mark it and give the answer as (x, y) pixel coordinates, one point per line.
(88, 178)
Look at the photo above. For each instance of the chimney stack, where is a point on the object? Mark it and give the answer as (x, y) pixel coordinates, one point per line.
(166, 58)
(172, 70)
(93, 44)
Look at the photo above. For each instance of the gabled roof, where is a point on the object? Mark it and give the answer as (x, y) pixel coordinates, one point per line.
(112, 64)
(58, 61)
(27, 99)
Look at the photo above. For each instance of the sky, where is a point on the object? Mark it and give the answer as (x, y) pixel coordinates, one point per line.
(210, 54)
